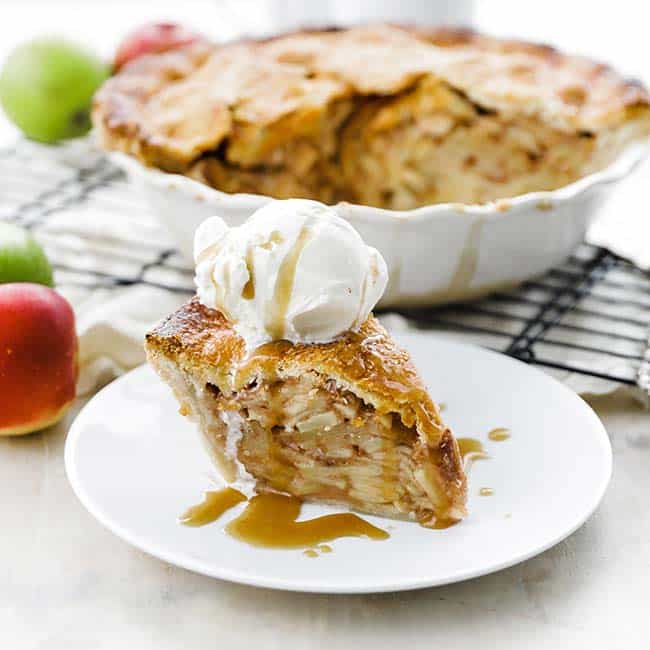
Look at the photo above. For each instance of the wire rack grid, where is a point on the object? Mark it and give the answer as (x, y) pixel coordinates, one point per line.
(590, 316)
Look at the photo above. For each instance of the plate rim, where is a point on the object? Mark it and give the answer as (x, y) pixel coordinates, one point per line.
(203, 568)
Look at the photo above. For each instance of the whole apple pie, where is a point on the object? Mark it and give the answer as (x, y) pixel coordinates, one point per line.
(380, 115)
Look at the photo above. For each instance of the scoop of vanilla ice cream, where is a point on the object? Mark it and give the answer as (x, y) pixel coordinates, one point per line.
(295, 270)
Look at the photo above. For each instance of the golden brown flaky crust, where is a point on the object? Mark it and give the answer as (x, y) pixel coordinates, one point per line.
(574, 90)
(231, 87)
(369, 364)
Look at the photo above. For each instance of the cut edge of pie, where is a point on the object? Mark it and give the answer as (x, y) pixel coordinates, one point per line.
(346, 423)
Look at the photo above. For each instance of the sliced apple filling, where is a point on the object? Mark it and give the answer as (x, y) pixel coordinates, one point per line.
(306, 437)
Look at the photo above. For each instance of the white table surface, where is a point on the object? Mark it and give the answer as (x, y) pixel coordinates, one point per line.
(67, 584)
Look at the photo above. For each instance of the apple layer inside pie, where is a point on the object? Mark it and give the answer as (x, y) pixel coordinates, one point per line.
(307, 437)
(427, 144)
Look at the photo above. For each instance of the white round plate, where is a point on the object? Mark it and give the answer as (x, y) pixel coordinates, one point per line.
(136, 465)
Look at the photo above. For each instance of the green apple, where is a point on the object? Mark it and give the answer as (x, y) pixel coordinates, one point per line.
(46, 88)
(21, 258)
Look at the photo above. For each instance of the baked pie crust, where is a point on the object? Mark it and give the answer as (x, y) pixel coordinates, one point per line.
(380, 115)
(348, 422)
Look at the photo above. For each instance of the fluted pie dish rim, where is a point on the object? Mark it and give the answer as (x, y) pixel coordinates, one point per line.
(543, 200)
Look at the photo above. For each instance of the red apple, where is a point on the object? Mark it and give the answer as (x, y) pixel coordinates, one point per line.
(153, 38)
(38, 357)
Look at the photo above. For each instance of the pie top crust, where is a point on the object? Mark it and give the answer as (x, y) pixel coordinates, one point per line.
(368, 362)
(169, 109)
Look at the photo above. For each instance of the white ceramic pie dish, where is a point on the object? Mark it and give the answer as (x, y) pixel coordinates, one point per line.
(436, 253)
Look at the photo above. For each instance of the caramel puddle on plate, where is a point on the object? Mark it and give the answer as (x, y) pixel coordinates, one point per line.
(313, 552)
(269, 520)
(499, 434)
(442, 524)
(214, 504)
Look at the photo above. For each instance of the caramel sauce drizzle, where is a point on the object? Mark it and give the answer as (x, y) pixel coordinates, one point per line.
(443, 523)
(467, 261)
(269, 520)
(214, 504)
(313, 552)
(248, 292)
(284, 285)
(211, 251)
(471, 450)
(275, 238)
(486, 492)
(499, 434)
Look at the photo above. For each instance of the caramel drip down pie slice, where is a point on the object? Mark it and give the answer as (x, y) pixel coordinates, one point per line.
(347, 422)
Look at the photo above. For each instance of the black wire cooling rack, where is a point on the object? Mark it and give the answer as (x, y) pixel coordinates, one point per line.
(590, 316)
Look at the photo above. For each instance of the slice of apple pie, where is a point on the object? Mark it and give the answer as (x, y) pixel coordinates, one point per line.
(347, 422)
